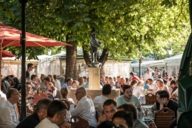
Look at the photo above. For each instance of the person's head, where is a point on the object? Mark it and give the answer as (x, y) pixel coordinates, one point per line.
(123, 119)
(30, 66)
(162, 94)
(173, 84)
(69, 81)
(64, 92)
(149, 81)
(80, 92)
(160, 83)
(127, 91)
(56, 112)
(34, 77)
(106, 90)
(41, 108)
(109, 108)
(13, 95)
(131, 74)
(42, 77)
(129, 108)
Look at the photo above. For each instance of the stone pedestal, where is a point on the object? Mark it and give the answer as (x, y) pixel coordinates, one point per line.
(94, 88)
(94, 78)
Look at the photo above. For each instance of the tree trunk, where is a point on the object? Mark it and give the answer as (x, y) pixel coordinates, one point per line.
(104, 56)
(86, 56)
(71, 55)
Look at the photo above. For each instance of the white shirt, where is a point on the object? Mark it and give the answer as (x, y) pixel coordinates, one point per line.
(85, 109)
(2, 96)
(46, 123)
(58, 84)
(9, 116)
(98, 102)
(138, 91)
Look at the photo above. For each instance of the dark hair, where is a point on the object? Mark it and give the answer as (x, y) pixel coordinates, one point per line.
(64, 92)
(129, 108)
(55, 107)
(124, 115)
(10, 92)
(106, 124)
(163, 94)
(109, 102)
(133, 82)
(131, 73)
(33, 76)
(125, 87)
(106, 90)
(29, 65)
(172, 82)
(41, 104)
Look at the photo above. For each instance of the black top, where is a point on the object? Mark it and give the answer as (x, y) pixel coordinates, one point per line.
(27, 75)
(29, 122)
(171, 105)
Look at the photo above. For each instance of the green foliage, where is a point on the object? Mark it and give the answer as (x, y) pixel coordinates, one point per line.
(122, 26)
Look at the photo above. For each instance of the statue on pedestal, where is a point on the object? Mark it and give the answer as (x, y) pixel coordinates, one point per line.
(94, 46)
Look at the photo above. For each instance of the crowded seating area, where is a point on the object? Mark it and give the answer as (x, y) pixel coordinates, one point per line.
(142, 103)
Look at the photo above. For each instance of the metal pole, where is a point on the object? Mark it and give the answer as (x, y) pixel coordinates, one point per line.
(23, 60)
(139, 67)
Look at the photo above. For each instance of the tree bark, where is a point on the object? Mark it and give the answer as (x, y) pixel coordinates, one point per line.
(71, 56)
(86, 55)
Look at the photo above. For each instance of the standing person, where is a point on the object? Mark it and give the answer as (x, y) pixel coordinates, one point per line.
(85, 107)
(29, 71)
(8, 110)
(56, 114)
(40, 112)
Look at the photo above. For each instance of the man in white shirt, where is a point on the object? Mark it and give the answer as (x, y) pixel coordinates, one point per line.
(99, 100)
(85, 107)
(9, 117)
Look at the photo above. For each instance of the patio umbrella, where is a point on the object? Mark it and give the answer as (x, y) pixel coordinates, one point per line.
(10, 36)
(6, 53)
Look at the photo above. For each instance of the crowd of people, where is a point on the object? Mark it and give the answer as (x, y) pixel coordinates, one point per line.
(49, 106)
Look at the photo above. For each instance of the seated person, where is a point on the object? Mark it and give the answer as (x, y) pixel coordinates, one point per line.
(8, 110)
(128, 97)
(40, 112)
(56, 114)
(162, 100)
(131, 109)
(99, 100)
(109, 109)
(85, 107)
(123, 119)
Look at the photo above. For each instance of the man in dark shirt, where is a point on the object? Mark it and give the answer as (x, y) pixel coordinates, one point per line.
(40, 112)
